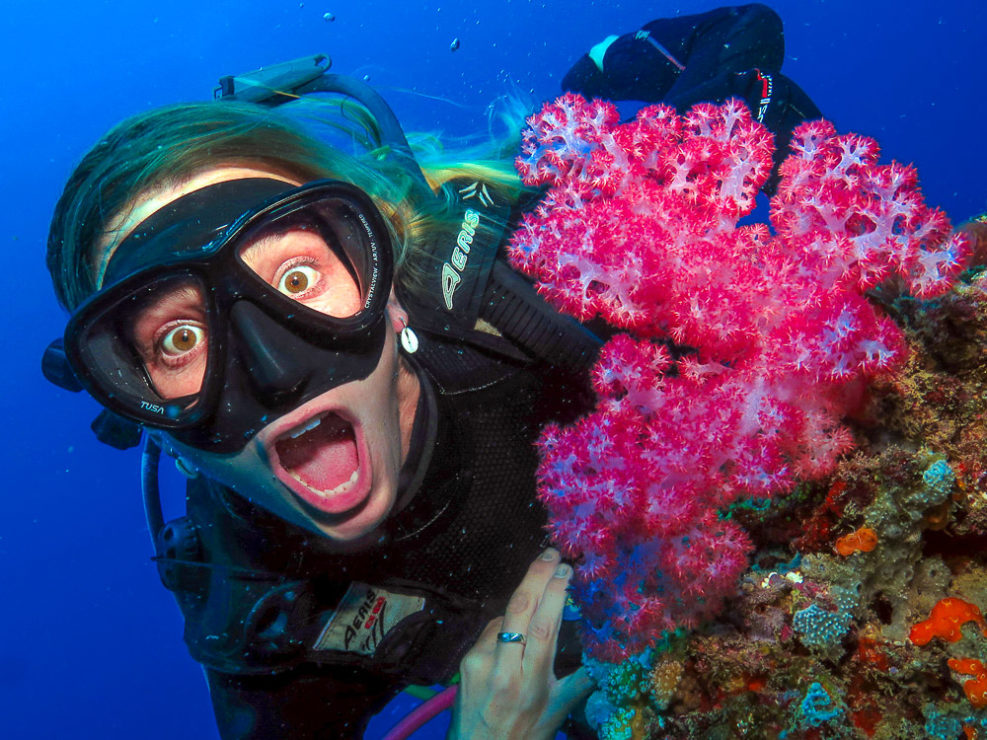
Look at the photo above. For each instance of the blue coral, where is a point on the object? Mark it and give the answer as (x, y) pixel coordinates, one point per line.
(623, 682)
(618, 726)
(939, 480)
(820, 628)
(942, 726)
(818, 707)
(948, 725)
(598, 710)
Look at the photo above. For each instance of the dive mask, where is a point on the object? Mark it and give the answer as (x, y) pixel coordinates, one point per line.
(234, 304)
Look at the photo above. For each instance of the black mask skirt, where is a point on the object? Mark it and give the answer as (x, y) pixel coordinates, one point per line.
(235, 304)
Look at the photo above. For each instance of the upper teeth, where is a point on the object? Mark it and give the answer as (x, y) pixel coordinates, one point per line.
(306, 427)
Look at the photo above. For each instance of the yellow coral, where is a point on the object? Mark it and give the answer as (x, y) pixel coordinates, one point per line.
(664, 681)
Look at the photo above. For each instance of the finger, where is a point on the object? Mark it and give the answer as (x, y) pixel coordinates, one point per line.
(522, 605)
(566, 696)
(475, 666)
(543, 630)
(487, 641)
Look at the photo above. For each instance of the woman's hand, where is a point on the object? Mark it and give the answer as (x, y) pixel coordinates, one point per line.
(509, 689)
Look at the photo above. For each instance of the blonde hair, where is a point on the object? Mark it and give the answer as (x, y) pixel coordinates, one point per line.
(171, 144)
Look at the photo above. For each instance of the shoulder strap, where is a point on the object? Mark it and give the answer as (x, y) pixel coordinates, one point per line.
(457, 260)
(468, 281)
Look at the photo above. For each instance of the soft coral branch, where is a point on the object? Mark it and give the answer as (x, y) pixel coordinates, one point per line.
(639, 226)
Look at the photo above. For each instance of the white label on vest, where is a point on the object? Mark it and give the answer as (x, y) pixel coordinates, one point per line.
(364, 617)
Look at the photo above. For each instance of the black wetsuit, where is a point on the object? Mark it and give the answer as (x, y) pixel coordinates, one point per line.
(463, 544)
(709, 57)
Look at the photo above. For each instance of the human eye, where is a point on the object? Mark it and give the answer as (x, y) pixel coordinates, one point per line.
(179, 342)
(301, 264)
(298, 279)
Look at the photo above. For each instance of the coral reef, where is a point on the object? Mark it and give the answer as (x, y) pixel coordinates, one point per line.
(774, 338)
(909, 661)
(894, 635)
(859, 614)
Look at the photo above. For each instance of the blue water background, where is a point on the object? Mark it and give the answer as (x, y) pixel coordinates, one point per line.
(90, 642)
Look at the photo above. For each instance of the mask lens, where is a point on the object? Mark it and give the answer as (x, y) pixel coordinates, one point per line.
(317, 255)
(159, 346)
(170, 337)
(150, 350)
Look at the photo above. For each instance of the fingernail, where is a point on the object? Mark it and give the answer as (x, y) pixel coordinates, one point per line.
(550, 554)
(562, 571)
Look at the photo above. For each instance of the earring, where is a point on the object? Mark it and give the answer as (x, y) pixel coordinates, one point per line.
(409, 340)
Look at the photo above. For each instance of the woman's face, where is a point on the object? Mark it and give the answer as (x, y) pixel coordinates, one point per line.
(330, 464)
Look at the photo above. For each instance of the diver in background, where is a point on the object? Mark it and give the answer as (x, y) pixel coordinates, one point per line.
(355, 401)
(726, 52)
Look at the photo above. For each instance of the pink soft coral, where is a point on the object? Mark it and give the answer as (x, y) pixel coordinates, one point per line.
(640, 227)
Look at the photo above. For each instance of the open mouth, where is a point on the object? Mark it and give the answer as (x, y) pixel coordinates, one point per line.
(320, 461)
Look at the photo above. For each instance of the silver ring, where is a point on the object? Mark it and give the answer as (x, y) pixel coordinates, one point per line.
(510, 637)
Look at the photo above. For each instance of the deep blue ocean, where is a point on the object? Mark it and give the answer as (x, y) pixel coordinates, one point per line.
(90, 642)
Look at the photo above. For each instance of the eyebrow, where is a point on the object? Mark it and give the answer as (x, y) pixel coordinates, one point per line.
(268, 238)
(187, 292)
(263, 242)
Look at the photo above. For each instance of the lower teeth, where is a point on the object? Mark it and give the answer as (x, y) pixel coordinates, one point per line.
(341, 488)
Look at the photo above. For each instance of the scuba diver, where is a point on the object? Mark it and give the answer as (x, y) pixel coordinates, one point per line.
(311, 336)
(712, 56)
(333, 349)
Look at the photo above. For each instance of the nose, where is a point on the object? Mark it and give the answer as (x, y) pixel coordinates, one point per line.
(265, 350)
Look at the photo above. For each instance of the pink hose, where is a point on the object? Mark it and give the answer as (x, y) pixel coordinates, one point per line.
(438, 703)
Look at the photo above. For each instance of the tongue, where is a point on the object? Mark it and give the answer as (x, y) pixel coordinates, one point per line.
(324, 457)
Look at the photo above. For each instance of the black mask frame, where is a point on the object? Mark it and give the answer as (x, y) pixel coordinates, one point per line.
(271, 353)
